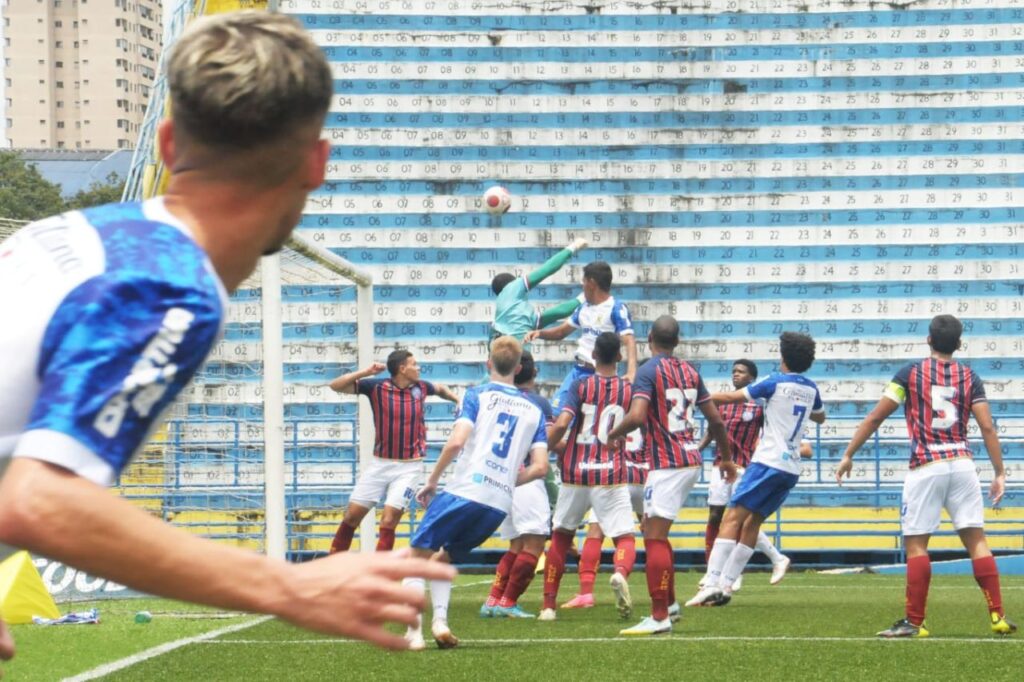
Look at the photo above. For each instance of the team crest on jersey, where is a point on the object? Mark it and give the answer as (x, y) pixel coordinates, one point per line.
(417, 393)
(748, 415)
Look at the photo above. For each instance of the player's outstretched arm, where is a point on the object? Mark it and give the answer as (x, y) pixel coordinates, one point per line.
(51, 511)
(729, 397)
(553, 334)
(558, 312)
(460, 434)
(983, 415)
(446, 393)
(884, 408)
(346, 383)
(555, 263)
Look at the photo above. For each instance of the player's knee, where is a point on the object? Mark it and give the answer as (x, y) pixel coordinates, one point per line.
(390, 517)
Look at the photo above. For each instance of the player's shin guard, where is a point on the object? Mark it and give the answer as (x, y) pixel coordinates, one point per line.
(590, 559)
(987, 576)
(501, 575)
(625, 554)
(522, 574)
(554, 567)
(342, 538)
(710, 535)
(385, 539)
(919, 576)
(660, 576)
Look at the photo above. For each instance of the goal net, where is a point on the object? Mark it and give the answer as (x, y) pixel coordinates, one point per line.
(259, 451)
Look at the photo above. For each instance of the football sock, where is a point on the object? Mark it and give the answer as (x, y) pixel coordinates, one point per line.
(519, 579)
(710, 534)
(987, 576)
(590, 559)
(659, 576)
(765, 546)
(342, 538)
(416, 584)
(734, 566)
(440, 595)
(720, 552)
(919, 574)
(385, 539)
(625, 554)
(501, 577)
(554, 567)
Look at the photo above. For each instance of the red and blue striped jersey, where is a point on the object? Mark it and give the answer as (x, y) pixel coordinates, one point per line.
(672, 387)
(636, 459)
(597, 404)
(397, 417)
(937, 397)
(743, 423)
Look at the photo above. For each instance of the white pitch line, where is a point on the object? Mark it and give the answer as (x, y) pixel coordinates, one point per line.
(107, 668)
(634, 640)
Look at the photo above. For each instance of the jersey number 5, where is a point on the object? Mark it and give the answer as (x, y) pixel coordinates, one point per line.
(943, 410)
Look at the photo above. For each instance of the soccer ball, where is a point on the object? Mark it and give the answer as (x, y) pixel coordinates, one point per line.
(497, 200)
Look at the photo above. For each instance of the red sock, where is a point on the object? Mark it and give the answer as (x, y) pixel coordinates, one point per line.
(554, 567)
(625, 554)
(987, 576)
(342, 538)
(659, 576)
(501, 577)
(519, 579)
(590, 559)
(919, 575)
(710, 534)
(385, 539)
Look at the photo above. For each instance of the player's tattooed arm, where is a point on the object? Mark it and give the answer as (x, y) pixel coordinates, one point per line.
(346, 383)
(885, 407)
(983, 415)
(552, 334)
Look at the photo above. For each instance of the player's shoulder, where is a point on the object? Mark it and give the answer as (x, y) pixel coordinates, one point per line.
(540, 401)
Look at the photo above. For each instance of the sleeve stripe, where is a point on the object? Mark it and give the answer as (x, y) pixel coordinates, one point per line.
(61, 449)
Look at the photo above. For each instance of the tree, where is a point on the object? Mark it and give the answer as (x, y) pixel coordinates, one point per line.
(24, 193)
(98, 193)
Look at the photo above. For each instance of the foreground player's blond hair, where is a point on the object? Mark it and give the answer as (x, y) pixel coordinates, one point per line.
(505, 355)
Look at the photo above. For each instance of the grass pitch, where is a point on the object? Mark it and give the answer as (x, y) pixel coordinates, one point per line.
(810, 627)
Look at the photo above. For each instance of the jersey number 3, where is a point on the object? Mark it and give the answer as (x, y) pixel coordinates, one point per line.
(503, 441)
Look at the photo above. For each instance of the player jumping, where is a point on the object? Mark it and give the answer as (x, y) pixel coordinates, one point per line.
(396, 471)
(665, 392)
(593, 473)
(790, 400)
(940, 395)
(495, 430)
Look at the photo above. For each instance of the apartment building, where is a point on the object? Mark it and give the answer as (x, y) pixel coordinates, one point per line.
(77, 73)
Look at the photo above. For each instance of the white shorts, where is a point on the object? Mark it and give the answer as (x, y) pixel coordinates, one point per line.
(667, 489)
(611, 506)
(394, 481)
(636, 500)
(720, 492)
(531, 512)
(951, 485)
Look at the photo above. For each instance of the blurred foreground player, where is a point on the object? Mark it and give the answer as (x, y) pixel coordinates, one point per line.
(939, 396)
(109, 312)
(494, 432)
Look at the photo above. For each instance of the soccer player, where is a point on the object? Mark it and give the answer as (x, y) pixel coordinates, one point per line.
(396, 472)
(790, 399)
(665, 392)
(108, 313)
(593, 473)
(514, 315)
(599, 313)
(526, 527)
(743, 423)
(495, 430)
(939, 395)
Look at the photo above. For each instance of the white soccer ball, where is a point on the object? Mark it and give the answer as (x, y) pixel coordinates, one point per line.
(497, 200)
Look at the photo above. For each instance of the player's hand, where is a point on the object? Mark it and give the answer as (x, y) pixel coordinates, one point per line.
(578, 245)
(425, 494)
(375, 368)
(6, 643)
(728, 470)
(352, 594)
(531, 335)
(997, 489)
(844, 469)
(629, 376)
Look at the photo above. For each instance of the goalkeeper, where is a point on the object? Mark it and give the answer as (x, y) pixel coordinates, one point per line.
(514, 315)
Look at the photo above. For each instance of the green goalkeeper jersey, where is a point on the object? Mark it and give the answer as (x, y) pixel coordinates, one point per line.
(514, 315)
